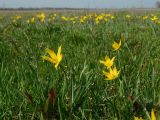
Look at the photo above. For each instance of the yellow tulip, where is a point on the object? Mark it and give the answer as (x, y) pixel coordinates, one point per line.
(55, 59)
(32, 20)
(145, 17)
(128, 16)
(112, 74)
(138, 118)
(153, 116)
(108, 62)
(28, 21)
(64, 18)
(112, 17)
(18, 17)
(154, 18)
(116, 45)
(41, 17)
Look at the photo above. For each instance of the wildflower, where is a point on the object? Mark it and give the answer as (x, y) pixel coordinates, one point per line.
(138, 118)
(112, 74)
(100, 17)
(116, 45)
(97, 21)
(81, 20)
(112, 17)
(154, 18)
(145, 17)
(153, 116)
(72, 18)
(54, 17)
(64, 18)
(55, 59)
(128, 16)
(32, 20)
(106, 19)
(18, 17)
(28, 21)
(84, 17)
(41, 17)
(108, 62)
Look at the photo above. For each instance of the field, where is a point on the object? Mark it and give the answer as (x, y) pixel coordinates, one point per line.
(107, 66)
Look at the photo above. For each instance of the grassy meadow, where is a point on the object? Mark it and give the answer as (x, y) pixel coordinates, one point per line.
(108, 67)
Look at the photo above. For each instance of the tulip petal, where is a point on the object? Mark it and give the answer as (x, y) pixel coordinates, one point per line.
(48, 59)
(59, 51)
(51, 53)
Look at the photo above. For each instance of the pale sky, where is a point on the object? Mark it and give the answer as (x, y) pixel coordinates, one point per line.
(77, 3)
